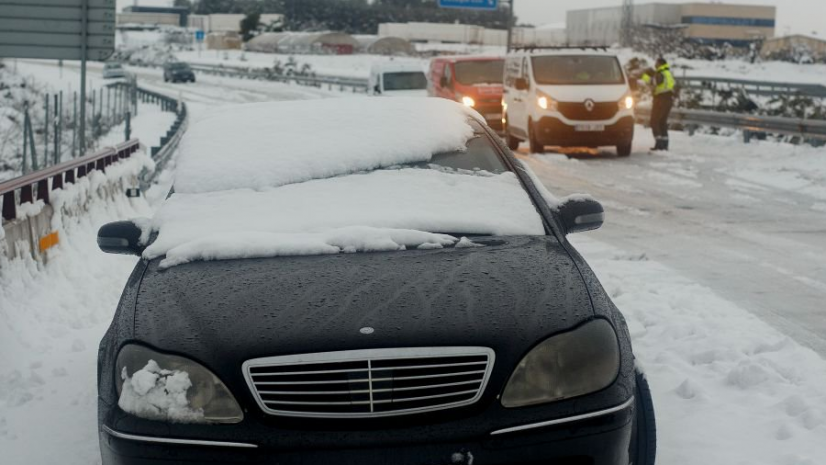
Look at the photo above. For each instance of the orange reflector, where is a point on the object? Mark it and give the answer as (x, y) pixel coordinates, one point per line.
(48, 241)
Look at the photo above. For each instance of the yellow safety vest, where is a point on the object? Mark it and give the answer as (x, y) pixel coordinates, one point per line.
(666, 84)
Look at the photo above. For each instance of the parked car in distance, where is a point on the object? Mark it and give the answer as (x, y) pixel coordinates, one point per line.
(569, 97)
(177, 71)
(398, 79)
(408, 296)
(113, 70)
(475, 81)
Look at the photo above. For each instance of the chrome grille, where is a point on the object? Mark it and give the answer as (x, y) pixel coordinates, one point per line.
(369, 383)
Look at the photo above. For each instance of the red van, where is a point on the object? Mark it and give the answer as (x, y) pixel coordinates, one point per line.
(475, 81)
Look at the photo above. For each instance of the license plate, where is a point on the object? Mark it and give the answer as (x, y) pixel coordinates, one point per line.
(590, 127)
(494, 116)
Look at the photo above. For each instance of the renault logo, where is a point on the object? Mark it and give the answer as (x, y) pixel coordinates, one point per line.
(367, 330)
(589, 105)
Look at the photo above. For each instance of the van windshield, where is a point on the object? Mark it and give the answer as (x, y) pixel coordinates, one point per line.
(471, 73)
(577, 70)
(404, 81)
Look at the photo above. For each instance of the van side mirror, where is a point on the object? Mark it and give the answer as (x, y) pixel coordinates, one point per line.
(120, 237)
(580, 214)
(521, 84)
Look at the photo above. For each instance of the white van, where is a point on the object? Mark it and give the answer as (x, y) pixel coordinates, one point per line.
(567, 97)
(398, 78)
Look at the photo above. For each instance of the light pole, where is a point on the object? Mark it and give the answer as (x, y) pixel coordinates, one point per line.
(510, 24)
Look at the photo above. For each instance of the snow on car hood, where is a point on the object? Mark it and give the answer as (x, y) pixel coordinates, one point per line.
(276, 143)
(377, 211)
(581, 93)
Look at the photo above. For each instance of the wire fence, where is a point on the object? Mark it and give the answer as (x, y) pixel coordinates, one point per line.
(51, 124)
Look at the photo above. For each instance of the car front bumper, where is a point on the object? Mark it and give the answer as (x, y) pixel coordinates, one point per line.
(592, 438)
(553, 131)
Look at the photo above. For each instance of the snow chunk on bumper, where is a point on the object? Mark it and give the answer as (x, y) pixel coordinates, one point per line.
(277, 143)
(377, 211)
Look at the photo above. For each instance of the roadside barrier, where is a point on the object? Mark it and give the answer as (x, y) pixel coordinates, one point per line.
(807, 129)
(356, 85)
(26, 200)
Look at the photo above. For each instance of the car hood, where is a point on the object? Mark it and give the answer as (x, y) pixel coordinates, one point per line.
(507, 295)
(597, 93)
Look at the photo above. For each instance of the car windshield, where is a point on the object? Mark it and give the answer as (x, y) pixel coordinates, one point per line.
(471, 73)
(179, 66)
(112, 66)
(405, 81)
(577, 70)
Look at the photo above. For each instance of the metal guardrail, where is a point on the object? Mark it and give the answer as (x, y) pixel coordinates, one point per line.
(267, 74)
(37, 185)
(169, 142)
(752, 87)
(749, 124)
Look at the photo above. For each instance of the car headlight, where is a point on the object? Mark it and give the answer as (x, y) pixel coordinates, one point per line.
(567, 365)
(159, 386)
(468, 101)
(626, 103)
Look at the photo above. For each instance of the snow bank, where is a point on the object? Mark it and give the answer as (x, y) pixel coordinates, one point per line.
(272, 144)
(159, 394)
(380, 210)
(728, 388)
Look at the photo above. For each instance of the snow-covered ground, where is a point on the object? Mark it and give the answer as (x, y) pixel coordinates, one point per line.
(715, 252)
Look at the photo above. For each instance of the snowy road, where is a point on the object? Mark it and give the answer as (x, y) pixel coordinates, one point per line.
(746, 222)
(755, 236)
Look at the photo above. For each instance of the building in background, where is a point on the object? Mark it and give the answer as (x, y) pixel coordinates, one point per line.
(227, 22)
(795, 48)
(707, 23)
(331, 43)
(447, 33)
(180, 11)
(147, 20)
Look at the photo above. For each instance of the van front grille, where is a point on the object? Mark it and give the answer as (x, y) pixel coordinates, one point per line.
(369, 383)
(579, 112)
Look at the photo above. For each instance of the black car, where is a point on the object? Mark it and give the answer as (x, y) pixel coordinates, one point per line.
(177, 72)
(506, 352)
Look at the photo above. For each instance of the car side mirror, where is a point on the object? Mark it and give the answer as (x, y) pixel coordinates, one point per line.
(580, 214)
(120, 237)
(521, 84)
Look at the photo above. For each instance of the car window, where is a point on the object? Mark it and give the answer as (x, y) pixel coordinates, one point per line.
(479, 156)
(577, 70)
(480, 72)
(404, 81)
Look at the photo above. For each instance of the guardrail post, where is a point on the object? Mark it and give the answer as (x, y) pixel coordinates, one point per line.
(9, 206)
(746, 136)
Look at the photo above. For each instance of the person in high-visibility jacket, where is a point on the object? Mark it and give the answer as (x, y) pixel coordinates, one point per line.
(662, 83)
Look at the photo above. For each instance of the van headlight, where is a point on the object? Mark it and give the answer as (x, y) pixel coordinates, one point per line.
(468, 101)
(567, 365)
(545, 102)
(159, 386)
(627, 103)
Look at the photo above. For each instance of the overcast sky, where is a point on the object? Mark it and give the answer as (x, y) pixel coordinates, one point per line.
(793, 16)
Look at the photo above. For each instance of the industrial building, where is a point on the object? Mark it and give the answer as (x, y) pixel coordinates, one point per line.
(226, 22)
(707, 23)
(181, 12)
(447, 33)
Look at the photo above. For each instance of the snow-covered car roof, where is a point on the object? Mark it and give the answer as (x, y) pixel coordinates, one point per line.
(271, 144)
(337, 175)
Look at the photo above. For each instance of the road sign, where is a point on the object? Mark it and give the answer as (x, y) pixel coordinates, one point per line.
(57, 29)
(199, 35)
(470, 4)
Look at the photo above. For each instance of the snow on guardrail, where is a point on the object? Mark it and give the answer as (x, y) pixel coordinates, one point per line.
(33, 205)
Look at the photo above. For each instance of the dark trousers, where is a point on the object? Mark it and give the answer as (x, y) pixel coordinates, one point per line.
(659, 119)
